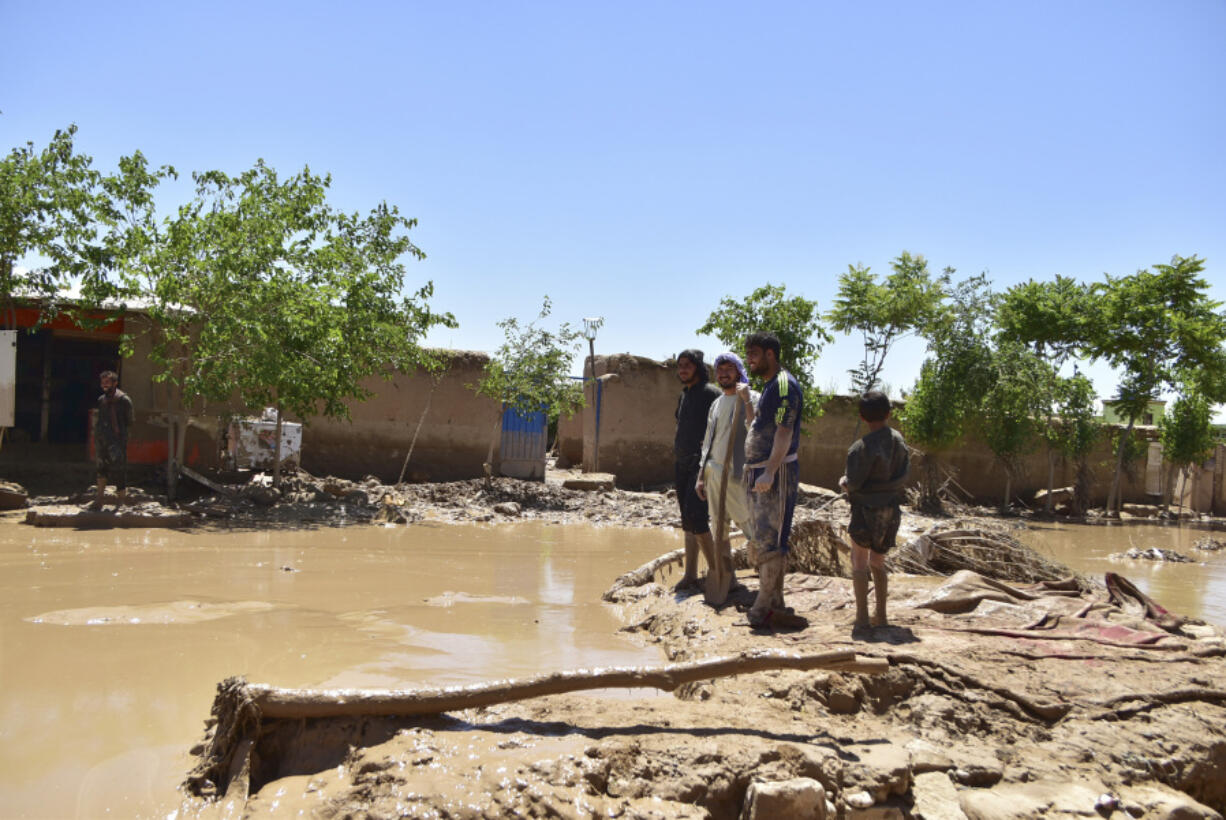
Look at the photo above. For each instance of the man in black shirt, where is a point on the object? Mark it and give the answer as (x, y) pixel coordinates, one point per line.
(115, 416)
(697, 395)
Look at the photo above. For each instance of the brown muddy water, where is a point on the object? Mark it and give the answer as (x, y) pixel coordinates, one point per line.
(112, 642)
(1196, 589)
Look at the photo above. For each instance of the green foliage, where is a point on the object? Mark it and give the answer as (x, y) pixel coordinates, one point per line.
(1054, 318)
(1186, 431)
(958, 373)
(529, 371)
(1015, 406)
(1161, 329)
(49, 201)
(263, 292)
(1073, 429)
(883, 312)
(795, 320)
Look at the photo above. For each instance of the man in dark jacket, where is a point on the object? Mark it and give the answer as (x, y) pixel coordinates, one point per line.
(115, 415)
(697, 395)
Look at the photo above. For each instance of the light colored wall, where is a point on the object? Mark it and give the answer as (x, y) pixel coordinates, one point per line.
(637, 428)
(453, 441)
(570, 439)
(637, 421)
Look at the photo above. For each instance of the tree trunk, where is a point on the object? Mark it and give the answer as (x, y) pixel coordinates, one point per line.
(1081, 486)
(276, 452)
(174, 404)
(1004, 502)
(1051, 480)
(180, 446)
(307, 703)
(1168, 488)
(171, 472)
(489, 456)
(1114, 496)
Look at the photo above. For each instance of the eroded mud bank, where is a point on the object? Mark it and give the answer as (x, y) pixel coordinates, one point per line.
(1051, 701)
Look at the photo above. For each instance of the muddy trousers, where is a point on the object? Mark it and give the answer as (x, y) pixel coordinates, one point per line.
(771, 568)
(695, 542)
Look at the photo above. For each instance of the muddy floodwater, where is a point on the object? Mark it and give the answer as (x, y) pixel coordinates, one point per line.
(1196, 588)
(112, 642)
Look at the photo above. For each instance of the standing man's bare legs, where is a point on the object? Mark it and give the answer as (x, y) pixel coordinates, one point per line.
(864, 560)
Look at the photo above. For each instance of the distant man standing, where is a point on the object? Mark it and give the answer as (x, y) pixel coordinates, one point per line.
(772, 472)
(115, 416)
(721, 481)
(697, 395)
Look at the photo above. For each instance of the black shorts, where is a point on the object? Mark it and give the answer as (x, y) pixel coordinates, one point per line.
(875, 527)
(695, 517)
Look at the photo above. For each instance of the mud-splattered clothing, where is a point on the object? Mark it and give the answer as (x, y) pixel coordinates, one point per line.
(725, 425)
(115, 416)
(770, 513)
(781, 404)
(692, 408)
(877, 470)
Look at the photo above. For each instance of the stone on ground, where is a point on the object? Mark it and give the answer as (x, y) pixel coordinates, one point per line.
(801, 797)
(591, 482)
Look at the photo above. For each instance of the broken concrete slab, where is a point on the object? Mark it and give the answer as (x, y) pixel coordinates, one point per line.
(592, 482)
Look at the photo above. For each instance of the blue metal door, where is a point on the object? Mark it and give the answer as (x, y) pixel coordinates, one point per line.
(523, 444)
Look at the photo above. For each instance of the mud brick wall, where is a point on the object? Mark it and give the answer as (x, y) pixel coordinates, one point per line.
(453, 441)
(639, 396)
(638, 399)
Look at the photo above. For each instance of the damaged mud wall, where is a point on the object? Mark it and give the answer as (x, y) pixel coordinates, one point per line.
(451, 445)
(637, 399)
(570, 436)
(638, 396)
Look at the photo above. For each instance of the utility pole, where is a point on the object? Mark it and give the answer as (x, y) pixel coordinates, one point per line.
(591, 324)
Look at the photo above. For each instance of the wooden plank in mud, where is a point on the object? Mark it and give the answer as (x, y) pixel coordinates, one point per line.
(66, 516)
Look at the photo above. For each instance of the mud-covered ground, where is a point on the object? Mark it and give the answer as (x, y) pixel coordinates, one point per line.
(310, 501)
(1040, 704)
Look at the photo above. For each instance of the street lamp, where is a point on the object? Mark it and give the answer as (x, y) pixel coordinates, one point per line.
(591, 324)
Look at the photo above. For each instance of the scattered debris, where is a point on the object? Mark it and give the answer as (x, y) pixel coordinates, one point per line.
(1150, 554)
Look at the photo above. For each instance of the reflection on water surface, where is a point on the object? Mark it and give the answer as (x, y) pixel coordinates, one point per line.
(1196, 589)
(111, 642)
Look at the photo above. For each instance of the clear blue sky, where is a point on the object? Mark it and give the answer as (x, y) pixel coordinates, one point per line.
(640, 161)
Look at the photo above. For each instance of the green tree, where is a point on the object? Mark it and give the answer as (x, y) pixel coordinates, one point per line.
(794, 319)
(1162, 331)
(529, 373)
(945, 401)
(883, 312)
(263, 294)
(49, 202)
(1013, 408)
(1073, 430)
(1186, 433)
(1053, 319)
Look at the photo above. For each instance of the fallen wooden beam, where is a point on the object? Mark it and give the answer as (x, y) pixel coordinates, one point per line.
(207, 482)
(273, 702)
